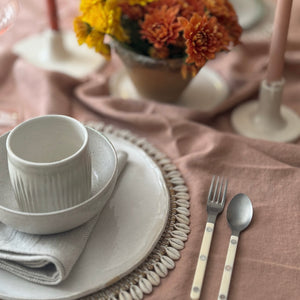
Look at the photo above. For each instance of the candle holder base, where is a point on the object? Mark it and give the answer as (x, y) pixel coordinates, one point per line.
(59, 51)
(266, 118)
(243, 121)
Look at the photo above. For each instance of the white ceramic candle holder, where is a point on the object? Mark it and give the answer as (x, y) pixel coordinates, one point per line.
(266, 118)
(59, 51)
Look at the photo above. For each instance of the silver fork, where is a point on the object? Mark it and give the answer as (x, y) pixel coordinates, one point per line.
(215, 205)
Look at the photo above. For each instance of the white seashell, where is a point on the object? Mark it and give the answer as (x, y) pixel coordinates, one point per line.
(174, 173)
(182, 227)
(168, 262)
(183, 210)
(182, 195)
(182, 219)
(145, 146)
(183, 203)
(169, 167)
(173, 253)
(123, 295)
(176, 243)
(179, 235)
(159, 155)
(108, 129)
(140, 141)
(160, 269)
(132, 138)
(123, 133)
(153, 278)
(180, 188)
(136, 292)
(164, 161)
(145, 285)
(177, 180)
(98, 125)
(111, 298)
(151, 150)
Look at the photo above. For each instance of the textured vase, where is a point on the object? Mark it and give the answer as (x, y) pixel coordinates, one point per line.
(155, 79)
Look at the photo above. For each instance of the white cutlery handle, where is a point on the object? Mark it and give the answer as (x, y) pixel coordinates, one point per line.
(227, 272)
(202, 260)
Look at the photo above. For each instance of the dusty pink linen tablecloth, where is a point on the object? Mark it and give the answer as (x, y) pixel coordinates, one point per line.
(200, 144)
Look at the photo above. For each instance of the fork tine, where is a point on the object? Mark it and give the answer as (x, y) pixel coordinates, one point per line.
(220, 190)
(211, 188)
(216, 189)
(224, 192)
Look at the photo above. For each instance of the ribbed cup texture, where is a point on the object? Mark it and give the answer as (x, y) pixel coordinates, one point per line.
(53, 191)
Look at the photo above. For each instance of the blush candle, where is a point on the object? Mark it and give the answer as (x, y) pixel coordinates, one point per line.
(279, 40)
(52, 14)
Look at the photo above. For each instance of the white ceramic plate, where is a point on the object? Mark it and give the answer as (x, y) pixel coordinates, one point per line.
(207, 90)
(127, 231)
(78, 62)
(249, 12)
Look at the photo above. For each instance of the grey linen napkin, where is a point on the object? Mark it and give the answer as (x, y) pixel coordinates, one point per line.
(45, 259)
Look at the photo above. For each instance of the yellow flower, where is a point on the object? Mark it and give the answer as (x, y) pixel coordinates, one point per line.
(81, 29)
(139, 2)
(96, 40)
(103, 16)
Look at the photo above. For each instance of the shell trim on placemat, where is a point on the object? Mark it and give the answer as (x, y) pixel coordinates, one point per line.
(147, 275)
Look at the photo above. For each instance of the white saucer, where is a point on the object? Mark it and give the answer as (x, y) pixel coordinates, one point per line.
(102, 156)
(129, 228)
(249, 12)
(207, 90)
(42, 51)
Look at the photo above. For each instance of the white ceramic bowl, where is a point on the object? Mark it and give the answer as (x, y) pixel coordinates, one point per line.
(104, 176)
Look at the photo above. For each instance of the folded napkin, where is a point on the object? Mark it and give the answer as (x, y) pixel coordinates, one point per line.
(45, 259)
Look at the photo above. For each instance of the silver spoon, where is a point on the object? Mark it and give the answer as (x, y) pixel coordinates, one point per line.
(239, 216)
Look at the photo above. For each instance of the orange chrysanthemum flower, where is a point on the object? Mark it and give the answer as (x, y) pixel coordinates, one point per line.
(232, 27)
(204, 37)
(161, 27)
(186, 7)
(226, 15)
(220, 8)
(189, 7)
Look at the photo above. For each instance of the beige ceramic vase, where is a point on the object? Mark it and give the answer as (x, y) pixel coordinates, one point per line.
(155, 79)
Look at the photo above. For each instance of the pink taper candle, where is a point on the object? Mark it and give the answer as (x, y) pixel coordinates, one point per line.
(52, 13)
(279, 40)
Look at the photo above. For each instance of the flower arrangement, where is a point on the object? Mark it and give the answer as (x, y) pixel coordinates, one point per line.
(192, 29)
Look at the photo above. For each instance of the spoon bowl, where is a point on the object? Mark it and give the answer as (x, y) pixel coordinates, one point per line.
(239, 216)
(239, 213)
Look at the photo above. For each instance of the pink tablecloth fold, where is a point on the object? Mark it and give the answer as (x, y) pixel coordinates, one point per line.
(201, 144)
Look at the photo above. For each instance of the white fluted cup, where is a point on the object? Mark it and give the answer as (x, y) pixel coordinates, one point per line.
(49, 163)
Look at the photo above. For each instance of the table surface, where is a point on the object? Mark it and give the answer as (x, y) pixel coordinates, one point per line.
(199, 143)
